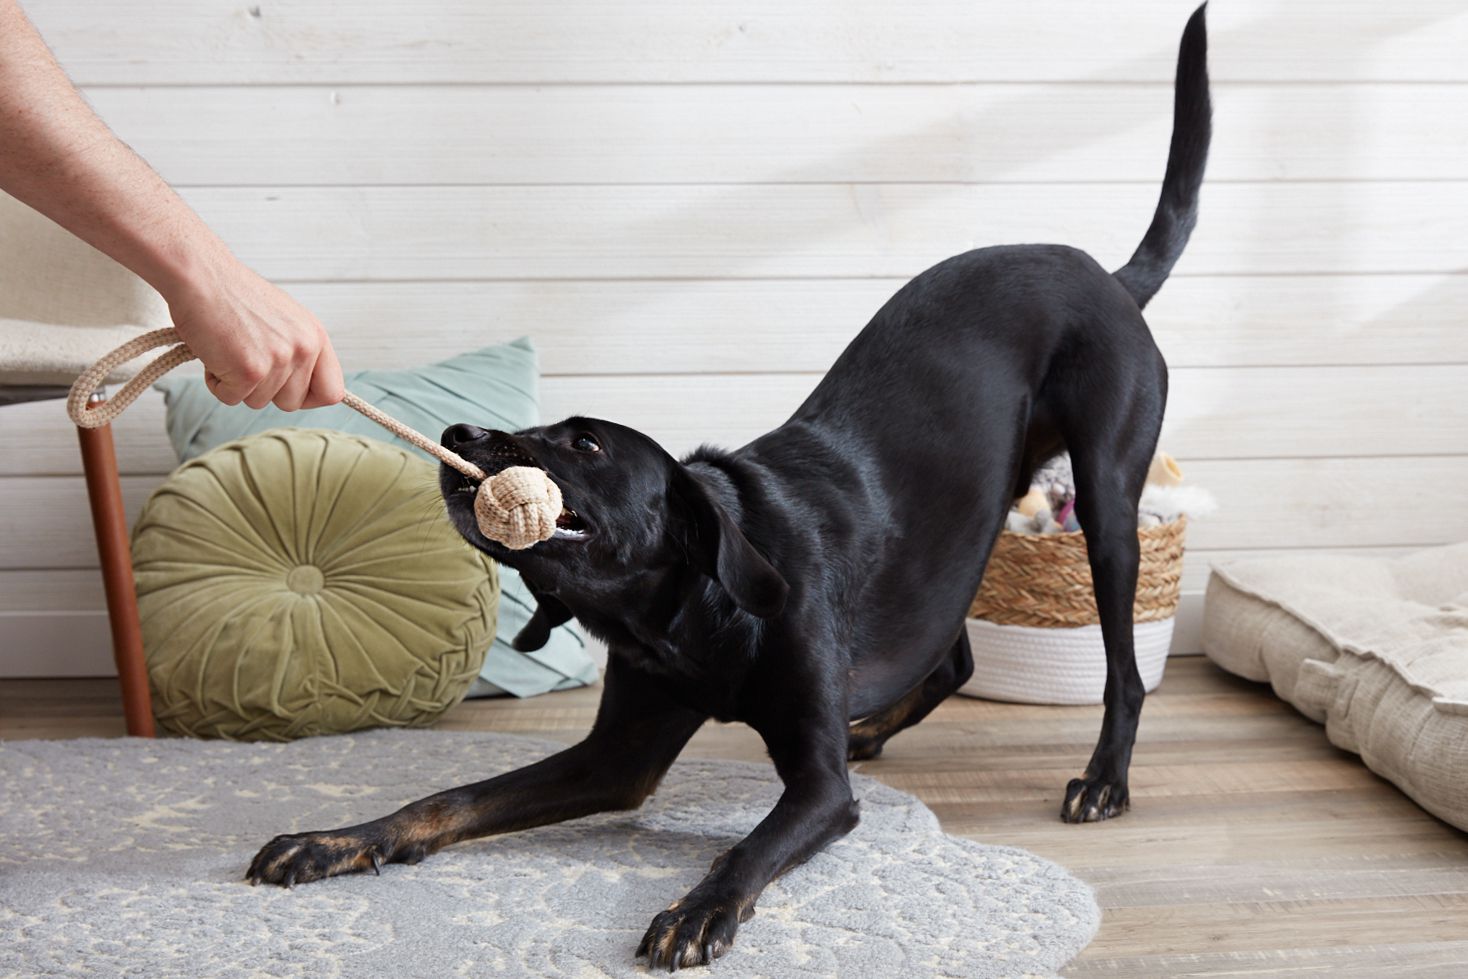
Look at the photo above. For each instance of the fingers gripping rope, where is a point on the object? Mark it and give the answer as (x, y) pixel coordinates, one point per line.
(517, 507)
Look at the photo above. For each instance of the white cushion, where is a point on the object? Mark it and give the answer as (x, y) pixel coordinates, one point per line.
(63, 304)
(1375, 649)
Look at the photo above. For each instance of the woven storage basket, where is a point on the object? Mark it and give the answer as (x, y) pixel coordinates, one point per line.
(1034, 628)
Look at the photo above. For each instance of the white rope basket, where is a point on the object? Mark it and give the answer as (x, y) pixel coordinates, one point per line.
(1030, 665)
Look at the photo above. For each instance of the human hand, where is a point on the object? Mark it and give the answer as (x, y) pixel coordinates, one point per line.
(258, 345)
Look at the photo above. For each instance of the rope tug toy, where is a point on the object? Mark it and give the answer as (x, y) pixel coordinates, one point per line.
(517, 507)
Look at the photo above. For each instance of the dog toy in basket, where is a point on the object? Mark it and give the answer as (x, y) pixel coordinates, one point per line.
(517, 507)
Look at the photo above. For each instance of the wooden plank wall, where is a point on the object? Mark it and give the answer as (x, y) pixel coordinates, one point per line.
(692, 206)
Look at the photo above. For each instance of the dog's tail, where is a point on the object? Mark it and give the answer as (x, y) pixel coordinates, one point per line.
(1177, 208)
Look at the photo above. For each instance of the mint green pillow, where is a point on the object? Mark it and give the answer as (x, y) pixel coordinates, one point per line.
(494, 387)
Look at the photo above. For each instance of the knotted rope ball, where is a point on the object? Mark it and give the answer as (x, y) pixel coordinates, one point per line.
(518, 507)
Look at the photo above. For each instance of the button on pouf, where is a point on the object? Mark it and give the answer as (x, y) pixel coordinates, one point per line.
(306, 579)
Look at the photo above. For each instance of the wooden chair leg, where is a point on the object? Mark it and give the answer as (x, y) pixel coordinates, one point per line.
(104, 492)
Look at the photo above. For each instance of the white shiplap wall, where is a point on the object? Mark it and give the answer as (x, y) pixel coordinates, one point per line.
(692, 206)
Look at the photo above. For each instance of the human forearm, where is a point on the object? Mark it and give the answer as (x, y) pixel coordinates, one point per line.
(258, 344)
(58, 157)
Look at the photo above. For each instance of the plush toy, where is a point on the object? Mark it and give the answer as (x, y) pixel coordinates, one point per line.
(1032, 502)
(1049, 506)
(1164, 498)
(1164, 504)
(1164, 471)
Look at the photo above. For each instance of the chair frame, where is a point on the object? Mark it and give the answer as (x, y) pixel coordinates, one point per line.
(109, 521)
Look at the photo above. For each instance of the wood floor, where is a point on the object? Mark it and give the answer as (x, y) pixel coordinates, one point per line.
(1253, 846)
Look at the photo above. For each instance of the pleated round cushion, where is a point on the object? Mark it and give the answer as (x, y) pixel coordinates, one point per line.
(303, 582)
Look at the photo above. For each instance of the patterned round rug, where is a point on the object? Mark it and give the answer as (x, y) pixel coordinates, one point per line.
(127, 857)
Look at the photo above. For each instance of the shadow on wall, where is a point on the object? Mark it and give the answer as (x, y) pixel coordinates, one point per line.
(1261, 34)
(1348, 208)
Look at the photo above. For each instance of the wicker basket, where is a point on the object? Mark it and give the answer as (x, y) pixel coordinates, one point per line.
(1039, 638)
(1044, 580)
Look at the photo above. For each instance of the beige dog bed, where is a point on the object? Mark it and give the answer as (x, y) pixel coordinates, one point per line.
(1375, 649)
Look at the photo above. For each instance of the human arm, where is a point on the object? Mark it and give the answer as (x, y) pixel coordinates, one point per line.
(258, 345)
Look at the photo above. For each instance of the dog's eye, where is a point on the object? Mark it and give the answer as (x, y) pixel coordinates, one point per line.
(585, 443)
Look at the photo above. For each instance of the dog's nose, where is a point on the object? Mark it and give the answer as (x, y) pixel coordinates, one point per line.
(456, 436)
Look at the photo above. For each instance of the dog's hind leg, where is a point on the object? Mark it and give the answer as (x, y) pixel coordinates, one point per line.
(868, 735)
(636, 737)
(1111, 445)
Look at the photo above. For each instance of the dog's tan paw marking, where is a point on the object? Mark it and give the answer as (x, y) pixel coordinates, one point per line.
(861, 747)
(300, 857)
(693, 932)
(1090, 800)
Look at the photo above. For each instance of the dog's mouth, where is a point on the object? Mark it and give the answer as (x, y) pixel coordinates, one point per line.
(570, 526)
(504, 453)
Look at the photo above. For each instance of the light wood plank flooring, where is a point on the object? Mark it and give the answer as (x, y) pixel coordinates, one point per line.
(1253, 846)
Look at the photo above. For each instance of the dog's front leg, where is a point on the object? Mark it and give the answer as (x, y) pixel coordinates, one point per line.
(636, 737)
(816, 807)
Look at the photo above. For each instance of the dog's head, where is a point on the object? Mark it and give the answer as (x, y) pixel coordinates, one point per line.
(636, 523)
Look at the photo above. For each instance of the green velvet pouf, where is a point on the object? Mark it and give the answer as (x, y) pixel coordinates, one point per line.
(303, 582)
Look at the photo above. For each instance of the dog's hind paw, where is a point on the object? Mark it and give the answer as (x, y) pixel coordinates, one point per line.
(693, 931)
(1090, 800)
(300, 857)
(860, 748)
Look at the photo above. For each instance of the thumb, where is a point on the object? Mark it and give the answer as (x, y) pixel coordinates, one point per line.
(327, 385)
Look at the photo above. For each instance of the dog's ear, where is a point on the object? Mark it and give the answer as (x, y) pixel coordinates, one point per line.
(718, 548)
(549, 613)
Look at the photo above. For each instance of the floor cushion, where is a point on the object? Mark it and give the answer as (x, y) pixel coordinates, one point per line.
(1376, 649)
(494, 387)
(301, 582)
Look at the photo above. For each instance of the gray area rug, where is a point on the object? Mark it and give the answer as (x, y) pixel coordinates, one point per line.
(125, 857)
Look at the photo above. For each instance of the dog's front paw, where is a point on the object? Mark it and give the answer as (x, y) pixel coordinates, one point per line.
(693, 931)
(1090, 799)
(299, 857)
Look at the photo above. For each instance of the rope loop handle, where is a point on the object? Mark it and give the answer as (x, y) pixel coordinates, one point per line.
(96, 415)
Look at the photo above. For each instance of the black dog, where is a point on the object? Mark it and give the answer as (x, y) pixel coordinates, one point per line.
(813, 583)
